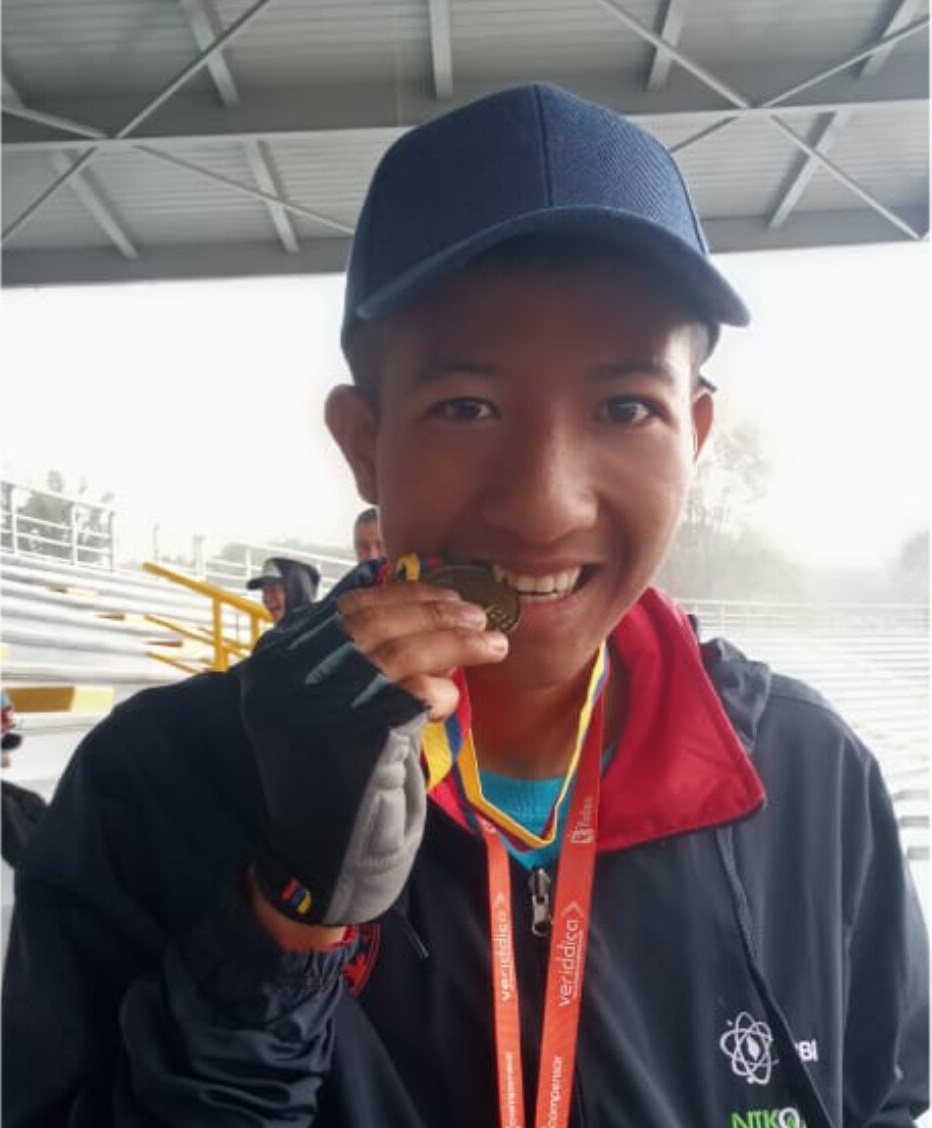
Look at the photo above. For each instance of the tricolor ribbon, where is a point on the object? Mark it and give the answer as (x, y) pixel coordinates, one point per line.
(447, 746)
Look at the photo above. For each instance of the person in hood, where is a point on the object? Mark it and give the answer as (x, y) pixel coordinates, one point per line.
(285, 584)
(487, 837)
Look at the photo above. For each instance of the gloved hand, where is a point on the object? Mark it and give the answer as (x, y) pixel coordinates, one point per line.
(335, 701)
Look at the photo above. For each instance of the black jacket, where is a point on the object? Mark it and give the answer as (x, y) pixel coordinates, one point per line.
(747, 966)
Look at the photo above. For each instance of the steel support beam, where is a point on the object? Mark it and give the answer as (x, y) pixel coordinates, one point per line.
(263, 169)
(328, 256)
(907, 11)
(736, 99)
(825, 136)
(147, 111)
(780, 100)
(205, 27)
(300, 119)
(273, 200)
(671, 28)
(90, 196)
(836, 122)
(441, 47)
(94, 203)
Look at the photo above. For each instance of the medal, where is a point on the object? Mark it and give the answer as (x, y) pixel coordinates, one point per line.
(476, 584)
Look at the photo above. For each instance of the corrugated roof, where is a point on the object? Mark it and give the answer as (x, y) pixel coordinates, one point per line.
(258, 161)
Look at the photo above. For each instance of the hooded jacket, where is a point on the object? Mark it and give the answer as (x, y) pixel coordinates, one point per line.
(750, 964)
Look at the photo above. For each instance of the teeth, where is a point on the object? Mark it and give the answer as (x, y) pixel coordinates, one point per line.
(539, 587)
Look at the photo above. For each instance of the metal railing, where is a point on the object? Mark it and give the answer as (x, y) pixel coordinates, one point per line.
(724, 615)
(47, 524)
(44, 524)
(223, 648)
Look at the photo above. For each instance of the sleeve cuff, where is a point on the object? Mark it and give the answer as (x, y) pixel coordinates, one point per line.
(240, 969)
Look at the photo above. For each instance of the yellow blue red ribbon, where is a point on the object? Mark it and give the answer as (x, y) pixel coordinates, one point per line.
(447, 746)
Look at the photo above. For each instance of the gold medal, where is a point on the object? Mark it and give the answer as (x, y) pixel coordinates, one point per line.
(476, 584)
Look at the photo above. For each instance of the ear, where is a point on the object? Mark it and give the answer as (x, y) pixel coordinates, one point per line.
(353, 425)
(703, 412)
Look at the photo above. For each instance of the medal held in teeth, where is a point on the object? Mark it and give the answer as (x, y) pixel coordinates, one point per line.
(474, 582)
(442, 741)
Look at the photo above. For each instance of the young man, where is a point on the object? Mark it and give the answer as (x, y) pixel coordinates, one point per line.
(653, 884)
(367, 536)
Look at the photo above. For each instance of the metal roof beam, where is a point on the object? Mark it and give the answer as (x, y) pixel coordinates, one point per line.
(741, 102)
(827, 133)
(671, 28)
(263, 169)
(268, 192)
(299, 118)
(205, 27)
(824, 137)
(90, 196)
(441, 47)
(147, 111)
(907, 11)
(845, 64)
(88, 265)
(94, 203)
(271, 199)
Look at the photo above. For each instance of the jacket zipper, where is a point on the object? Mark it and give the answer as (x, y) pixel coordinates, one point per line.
(539, 884)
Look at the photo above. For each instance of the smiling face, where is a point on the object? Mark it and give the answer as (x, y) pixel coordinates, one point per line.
(545, 422)
(273, 599)
(367, 541)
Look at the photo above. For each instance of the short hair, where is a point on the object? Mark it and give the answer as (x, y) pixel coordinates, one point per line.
(367, 515)
(532, 251)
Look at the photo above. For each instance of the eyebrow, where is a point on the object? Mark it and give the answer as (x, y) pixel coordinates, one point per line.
(434, 370)
(655, 368)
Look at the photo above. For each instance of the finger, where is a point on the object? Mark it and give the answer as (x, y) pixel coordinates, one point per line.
(440, 695)
(386, 595)
(371, 626)
(432, 652)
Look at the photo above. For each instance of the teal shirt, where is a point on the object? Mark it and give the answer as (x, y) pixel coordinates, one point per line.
(529, 802)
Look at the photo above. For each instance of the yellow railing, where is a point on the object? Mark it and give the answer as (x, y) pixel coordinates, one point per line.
(224, 649)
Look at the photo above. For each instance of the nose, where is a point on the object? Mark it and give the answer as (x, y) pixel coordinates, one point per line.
(542, 487)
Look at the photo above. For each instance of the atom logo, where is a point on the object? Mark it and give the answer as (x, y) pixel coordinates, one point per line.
(746, 1043)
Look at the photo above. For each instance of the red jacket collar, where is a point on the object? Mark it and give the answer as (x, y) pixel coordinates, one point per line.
(679, 766)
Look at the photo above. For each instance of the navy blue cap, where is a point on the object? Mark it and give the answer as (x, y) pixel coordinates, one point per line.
(529, 159)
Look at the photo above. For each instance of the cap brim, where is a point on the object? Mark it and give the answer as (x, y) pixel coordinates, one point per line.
(261, 581)
(695, 279)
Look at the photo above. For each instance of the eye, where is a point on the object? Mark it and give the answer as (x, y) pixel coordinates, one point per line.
(626, 412)
(462, 410)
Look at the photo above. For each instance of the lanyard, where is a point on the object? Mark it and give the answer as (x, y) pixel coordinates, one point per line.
(567, 959)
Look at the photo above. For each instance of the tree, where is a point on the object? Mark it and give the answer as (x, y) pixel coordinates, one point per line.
(716, 554)
(911, 571)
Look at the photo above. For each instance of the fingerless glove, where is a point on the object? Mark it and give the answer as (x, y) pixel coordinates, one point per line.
(338, 752)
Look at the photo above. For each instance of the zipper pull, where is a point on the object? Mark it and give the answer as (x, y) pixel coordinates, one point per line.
(539, 884)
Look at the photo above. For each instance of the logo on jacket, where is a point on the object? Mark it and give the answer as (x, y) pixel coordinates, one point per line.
(359, 968)
(767, 1118)
(747, 1043)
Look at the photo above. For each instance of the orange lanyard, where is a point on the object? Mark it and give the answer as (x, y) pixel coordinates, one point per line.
(567, 959)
